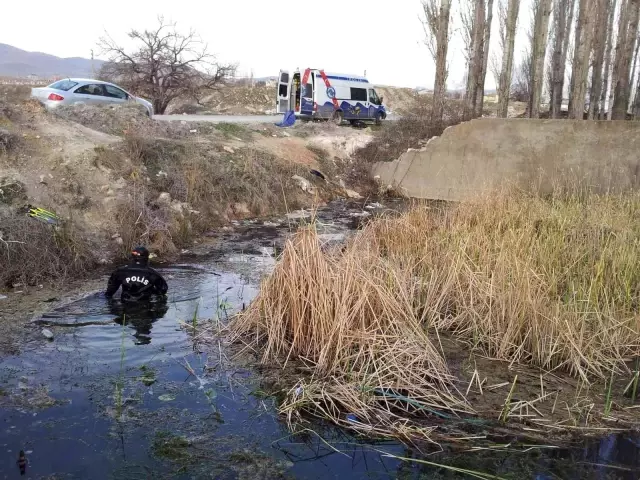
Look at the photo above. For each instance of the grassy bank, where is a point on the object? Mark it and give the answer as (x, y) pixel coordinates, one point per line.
(550, 285)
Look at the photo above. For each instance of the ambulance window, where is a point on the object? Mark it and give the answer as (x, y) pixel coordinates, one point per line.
(282, 90)
(373, 97)
(308, 91)
(359, 94)
(284, 77)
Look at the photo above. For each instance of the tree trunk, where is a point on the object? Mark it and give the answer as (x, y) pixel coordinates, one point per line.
(624, 51)
(506, 74)
(475, 60)
(633, 73)
(563, 19)
(442, 44)
(599, 45)
(485, 61)
(636, 108)
(582, 53)
(617, 53)
(538, 47)
(607, 60)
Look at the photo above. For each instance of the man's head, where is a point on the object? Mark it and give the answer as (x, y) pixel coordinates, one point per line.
(140, 256)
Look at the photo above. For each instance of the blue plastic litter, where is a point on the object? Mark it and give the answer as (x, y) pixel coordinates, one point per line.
(352, 418)
(288, 120)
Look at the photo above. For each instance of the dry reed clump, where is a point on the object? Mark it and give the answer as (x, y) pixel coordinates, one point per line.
(349, 317)
(547, 282)
(32, 252)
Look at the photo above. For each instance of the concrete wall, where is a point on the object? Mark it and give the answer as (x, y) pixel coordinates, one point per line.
(533, 154)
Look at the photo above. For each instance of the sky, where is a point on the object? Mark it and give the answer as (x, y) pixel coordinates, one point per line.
(385, 38)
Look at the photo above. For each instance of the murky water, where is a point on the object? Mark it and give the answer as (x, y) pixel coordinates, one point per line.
(136, 398)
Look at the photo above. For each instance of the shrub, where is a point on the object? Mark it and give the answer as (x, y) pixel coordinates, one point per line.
(32, 252)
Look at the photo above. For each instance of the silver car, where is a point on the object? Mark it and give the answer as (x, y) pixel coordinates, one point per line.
(72, 91)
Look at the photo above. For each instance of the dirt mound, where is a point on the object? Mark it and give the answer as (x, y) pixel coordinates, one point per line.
(112, 119)
(231, 100)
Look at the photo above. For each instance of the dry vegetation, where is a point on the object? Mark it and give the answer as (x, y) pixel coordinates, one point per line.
(545, 284)
(410, 131)
(32, 252)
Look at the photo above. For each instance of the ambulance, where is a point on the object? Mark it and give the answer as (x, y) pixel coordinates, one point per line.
(316, 94)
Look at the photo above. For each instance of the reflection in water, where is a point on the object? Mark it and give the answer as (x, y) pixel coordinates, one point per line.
(140, 315)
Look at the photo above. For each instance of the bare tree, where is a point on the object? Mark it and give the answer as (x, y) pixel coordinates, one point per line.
(521, 87)
(476, 59)
(538, 50)
(627, 32)
(467, 15)
(611, 9)
(508, 25)
(636, 106)
(562, 22)
(436, 26)
(599, 47)
(166, 65)
(581, 55)
(633, 73)
(486, 40)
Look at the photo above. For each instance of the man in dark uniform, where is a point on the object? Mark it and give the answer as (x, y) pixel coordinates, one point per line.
(143, 299)
(138, 280)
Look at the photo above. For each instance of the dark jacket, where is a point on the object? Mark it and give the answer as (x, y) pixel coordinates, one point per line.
(138, 282)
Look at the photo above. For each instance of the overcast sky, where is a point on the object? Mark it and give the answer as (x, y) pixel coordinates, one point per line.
(383, 37)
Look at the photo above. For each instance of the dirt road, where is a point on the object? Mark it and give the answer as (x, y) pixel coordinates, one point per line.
(230, 118)
(221, 118)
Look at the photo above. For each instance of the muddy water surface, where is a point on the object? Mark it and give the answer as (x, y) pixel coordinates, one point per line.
(122, 394)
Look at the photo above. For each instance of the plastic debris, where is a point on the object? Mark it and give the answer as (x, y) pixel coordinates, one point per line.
(48, 334)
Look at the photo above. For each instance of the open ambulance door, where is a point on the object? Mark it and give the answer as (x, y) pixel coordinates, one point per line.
(284, 95)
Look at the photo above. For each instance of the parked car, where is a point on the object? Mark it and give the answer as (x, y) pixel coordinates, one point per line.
(75, 91)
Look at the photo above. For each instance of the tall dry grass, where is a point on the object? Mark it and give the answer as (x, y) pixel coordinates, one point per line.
(551, 282)
(548, 282)
(349, 317)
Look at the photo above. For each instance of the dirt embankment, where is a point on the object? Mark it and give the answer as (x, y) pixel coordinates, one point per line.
(117, 178)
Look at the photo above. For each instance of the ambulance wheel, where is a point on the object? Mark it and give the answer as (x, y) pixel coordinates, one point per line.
(337, 117)
(379, 118)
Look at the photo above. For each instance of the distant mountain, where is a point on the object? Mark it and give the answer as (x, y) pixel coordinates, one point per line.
(15, 62)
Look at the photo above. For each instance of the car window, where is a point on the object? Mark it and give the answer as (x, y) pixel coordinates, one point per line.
(64, 85)
(91, 89)
(115, 92)
(373, 97)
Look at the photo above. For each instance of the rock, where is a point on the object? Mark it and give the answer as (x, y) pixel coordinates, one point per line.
(48, 334)
(228, 149)
(119, 241)
(2, 297)
(298, 214)
(120, 184)
(115, 235)
(7, 139)
(304, 184)
(177, 207)
(241, 208)
(164, 199)
(352, 194)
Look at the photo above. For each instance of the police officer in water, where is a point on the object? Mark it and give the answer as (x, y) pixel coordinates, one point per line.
(138, 280)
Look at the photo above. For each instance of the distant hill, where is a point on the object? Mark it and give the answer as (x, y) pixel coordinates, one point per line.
(15, 62)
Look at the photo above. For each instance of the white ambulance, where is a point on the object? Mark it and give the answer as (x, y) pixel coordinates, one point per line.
(316, 94)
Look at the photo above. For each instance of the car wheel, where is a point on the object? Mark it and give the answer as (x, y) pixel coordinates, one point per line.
(379, 117)
(337, 117)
